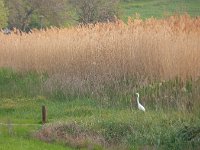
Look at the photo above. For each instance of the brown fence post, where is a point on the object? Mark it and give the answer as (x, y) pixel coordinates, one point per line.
(44, 114)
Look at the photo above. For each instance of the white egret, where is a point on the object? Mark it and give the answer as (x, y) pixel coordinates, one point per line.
(140, 107)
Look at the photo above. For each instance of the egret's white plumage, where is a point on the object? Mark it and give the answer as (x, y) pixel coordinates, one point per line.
(140, 107)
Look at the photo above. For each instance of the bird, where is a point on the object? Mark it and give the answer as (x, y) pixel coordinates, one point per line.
(140, 107)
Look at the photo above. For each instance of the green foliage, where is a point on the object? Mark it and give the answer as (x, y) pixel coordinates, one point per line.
(92, 11)
(131, 128)
(158, 95)
(186, 137)
(189, 134)
(13, 84)
(25, 15)
(116, 132)
(3, 15)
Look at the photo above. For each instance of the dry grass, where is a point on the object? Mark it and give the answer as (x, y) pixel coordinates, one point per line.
(157, 48)
(89, 56)
(71, 134)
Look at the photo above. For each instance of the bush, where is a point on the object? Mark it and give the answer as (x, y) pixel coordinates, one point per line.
(91, 11)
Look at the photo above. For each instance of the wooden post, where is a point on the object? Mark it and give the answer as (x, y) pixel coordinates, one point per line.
(44, 114)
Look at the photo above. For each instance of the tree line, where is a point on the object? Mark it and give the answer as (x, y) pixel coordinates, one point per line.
(27, 14)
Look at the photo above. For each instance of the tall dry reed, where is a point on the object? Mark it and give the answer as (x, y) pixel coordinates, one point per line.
(161, 49)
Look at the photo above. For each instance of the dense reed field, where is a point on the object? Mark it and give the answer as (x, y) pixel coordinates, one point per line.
(108, 60)
(86, 58)
(161, 49)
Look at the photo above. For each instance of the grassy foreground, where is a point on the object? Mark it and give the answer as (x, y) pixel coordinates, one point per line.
(16, 143)
(86, 123)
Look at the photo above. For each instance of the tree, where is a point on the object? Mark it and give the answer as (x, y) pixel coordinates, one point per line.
(25, 14)
(92, 11)
(3, 15)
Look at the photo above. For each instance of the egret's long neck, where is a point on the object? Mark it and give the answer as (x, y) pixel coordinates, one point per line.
(138, 100)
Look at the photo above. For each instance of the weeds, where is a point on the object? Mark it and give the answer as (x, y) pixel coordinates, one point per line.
(159, 130)
(174, 94)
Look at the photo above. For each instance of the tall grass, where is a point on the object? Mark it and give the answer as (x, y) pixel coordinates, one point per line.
(162, 48)
(110, 60)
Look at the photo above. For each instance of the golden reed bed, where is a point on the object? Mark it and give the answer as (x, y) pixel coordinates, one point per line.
(162, 49)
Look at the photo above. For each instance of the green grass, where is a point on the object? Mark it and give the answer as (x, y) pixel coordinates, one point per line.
(115, 124)
(15, 143)
(159, 8)
(132, 127)
(113, 120)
